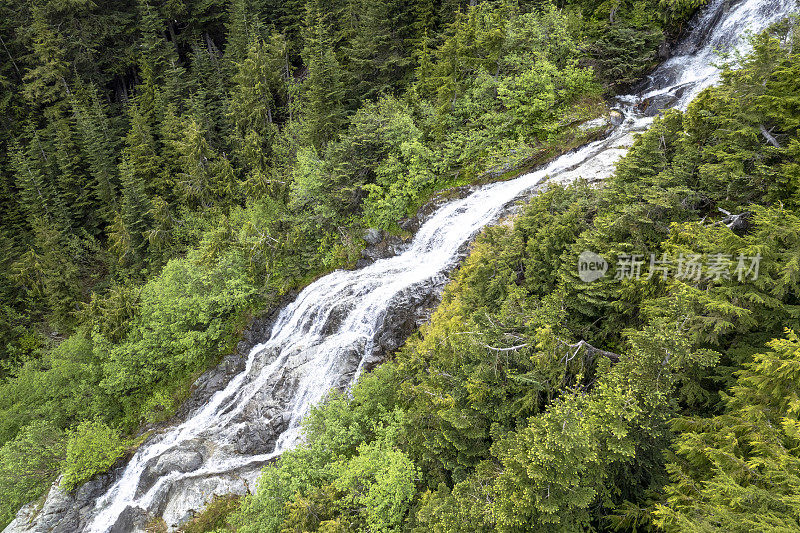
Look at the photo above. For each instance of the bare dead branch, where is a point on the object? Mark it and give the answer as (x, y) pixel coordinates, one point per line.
(768, 136)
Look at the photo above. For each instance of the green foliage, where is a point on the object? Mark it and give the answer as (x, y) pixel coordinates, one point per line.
(186, 318)
(738, 471)
(379, 482)
(259, 92)
(377, 57)
(91, 448)
(207, 179)
(557, 468)
(625, 39)
(61, 388)
(533, 401)
(28, 463)
(624, 53)
(323, 90)
(386, 147)
(184, 164)
(214, 517)
(350, 469)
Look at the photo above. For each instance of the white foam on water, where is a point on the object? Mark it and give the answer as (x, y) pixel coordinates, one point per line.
(314, 340)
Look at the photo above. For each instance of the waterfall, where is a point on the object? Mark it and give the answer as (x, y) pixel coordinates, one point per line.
(321, 340)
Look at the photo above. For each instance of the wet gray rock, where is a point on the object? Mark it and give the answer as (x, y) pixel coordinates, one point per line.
(373, 236)
(664, 50)
(390, 246)
(413, 310)
(131, 519)
(654, 105)
(185, 499)
(25, 517)
(181, 460)
(62, 511)
(600, 122)
(259, 437)
(59, 514)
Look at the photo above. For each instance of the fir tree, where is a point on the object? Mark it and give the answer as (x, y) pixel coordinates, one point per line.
(75, 198)
(323, 89)
(240, 28)
(46, 83)
(377, 52)
(258, 94)
(153, 59)
(128, 235)
(738, 471)
(210, 97)
(99, 146)
(142, 154)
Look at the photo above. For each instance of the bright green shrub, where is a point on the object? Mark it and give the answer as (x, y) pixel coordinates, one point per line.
(60, 388)
(188, 316)
(28, 464)
(92, 448)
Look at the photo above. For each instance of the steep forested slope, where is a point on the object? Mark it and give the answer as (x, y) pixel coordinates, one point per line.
(535, 401)
(170, 168)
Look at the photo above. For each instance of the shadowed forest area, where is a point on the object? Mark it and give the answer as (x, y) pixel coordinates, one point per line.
(171, 169)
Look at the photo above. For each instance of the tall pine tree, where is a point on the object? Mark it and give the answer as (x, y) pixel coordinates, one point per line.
(323, 88)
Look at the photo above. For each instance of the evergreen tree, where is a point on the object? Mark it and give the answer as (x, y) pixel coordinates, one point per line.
(377, 54)
(46, 82)
(47, 272)
(153, 59)
(206, 179)
(739, 471)
(241, 30)
(99, 146)
(128, 233)
(323, 89)
(171, 129)
(34, 168)
(75, 198)
(210, 97)
(258, 95)
(142, 155)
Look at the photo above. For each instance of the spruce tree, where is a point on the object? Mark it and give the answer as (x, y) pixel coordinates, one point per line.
(239, 31)
(142, 154)
(206, 179)
(171, 130)
(258, 95)
(39, 198)
(153, 58)
(738, 471)
(74, 196)
(323, 89)
(128, 234)
(46, 83)
(210, 96)
(98, 143)
(377, 52)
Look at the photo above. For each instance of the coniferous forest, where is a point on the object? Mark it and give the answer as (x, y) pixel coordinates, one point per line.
(172, 169)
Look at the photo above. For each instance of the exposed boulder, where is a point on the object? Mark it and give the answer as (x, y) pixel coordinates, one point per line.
(62, 511)
(132, 519)
(373, 236)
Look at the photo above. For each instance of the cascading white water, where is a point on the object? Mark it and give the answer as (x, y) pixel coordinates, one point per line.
(326, 333)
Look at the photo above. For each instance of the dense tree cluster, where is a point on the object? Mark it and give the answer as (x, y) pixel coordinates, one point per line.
(168, 168)
(534, 401)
